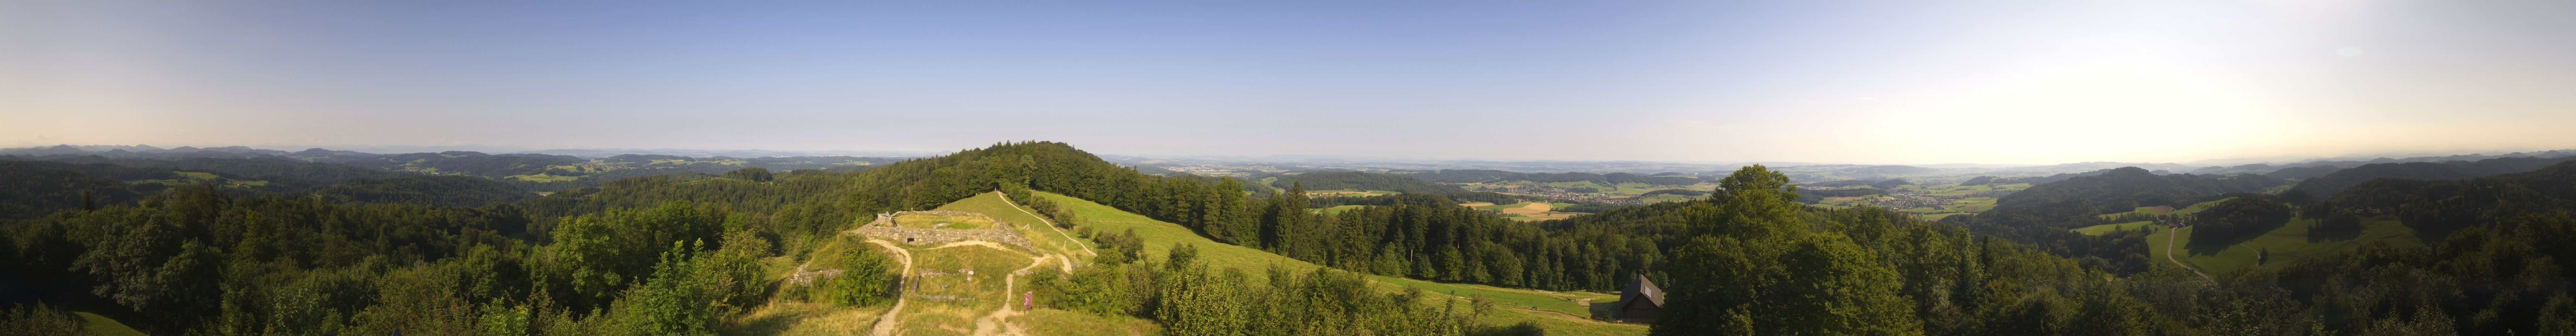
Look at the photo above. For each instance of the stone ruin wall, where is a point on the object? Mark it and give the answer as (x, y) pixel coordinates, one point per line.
(884, 227)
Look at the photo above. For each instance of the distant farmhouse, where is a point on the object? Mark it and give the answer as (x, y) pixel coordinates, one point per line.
(1641, 301)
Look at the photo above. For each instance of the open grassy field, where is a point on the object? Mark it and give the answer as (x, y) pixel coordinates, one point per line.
(1569, 303)
(93, 324)
(1956, 190)
(2097, 230)
(1630, 188)
(1525, 210)
(542, 177)
(1667, 198)
(953, 285)
(1160, 236)
(1039, 233)
(958, 284)
(1338, 209)
(1970, 205)
(930, 221)
(1065, 322)
(1349, 193)
(2166, 210)
(2280, 246)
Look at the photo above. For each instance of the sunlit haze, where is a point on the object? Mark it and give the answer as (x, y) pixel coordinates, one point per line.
(1889, 82)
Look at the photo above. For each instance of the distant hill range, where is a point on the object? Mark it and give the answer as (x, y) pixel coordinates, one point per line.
(1488, 175)
(2132, 187)
(2336, 182)
(531, 171)
(1333, 180)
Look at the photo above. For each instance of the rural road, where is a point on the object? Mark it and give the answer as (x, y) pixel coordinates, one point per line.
(2169, 255)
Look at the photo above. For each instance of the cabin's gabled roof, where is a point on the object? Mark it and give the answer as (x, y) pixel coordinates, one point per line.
(1642, 288)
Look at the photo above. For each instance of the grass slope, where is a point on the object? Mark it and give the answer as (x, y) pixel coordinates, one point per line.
(2097, 230)
(93, 324)
(1569, 303)
(2290, 243)
(1046, 238)
(1159, 237)
(2165, 210)
(946, 299)
(784, 315)
(960, 299)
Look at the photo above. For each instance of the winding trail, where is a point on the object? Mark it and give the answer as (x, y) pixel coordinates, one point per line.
(886, 324)
(1086, 248)
(994, 323)
(2169, 255)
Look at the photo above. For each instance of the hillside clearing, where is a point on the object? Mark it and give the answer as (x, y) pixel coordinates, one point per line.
(1159, 237)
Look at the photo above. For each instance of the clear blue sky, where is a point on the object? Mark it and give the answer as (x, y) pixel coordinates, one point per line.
(1877, 82)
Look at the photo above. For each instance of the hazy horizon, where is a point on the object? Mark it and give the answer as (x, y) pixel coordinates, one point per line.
(508, 149)
(1903, 83)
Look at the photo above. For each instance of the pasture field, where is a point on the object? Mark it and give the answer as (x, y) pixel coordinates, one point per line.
(930, 221)
(2097, 230)
(1620, 189)
(1843, 202)
(1526, 210)
(542, 177)
(1668, 198)
(93, 324)
(1045, 237)
(1968, 205)
(2290, 243)
(1159, 237)
(1066, 322)
(1348, 193)
(2166, 210)
(1569, 303)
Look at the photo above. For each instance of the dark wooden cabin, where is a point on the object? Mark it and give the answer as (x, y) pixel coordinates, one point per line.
(1641, 301)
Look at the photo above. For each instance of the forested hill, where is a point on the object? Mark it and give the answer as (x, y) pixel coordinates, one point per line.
(693, 255)
(29, 189)
(324, 173)
(1488, 175)
(533, 172)
(1335, 180)
(2127, 187)
(2333, 183)
(2444, 205)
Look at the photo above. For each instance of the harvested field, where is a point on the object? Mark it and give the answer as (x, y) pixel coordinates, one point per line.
(1531, 208)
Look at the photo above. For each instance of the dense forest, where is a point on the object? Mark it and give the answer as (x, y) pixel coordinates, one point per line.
(2335, 182)
(673, 254)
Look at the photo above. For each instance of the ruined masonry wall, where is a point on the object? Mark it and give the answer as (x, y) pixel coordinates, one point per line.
(884, 227)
